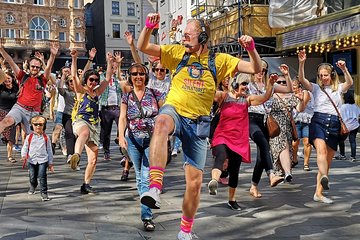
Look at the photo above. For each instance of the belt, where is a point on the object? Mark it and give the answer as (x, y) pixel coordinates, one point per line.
(28, 108)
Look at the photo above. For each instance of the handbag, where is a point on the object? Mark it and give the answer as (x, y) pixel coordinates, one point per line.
(272, 127)
(294, 134)
(148, 128)
(344, 131)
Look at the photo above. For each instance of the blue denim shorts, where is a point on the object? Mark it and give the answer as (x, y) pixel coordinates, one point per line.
(302, 130)
(194, 148)
(326, 127)
(58, 117)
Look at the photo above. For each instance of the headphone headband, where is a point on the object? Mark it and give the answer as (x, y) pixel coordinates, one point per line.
(203, 36)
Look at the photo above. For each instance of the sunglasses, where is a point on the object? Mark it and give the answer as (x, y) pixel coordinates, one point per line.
(38, 124)
(244, 83)
(93, 79)
(281, 82)
(134, 74)
(159, 69)
(37, 67)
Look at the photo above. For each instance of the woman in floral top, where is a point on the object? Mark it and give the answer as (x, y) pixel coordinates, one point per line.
(136, 122)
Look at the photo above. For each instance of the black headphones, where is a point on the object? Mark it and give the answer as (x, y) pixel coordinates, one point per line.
(333, 71)
(234, 84)
(203, 36)
(142, 66)
(36, 116)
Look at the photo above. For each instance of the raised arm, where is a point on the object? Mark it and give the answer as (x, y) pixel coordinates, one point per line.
(109, 72)
(284, 69)
(306, 83)
(40, 56)
(260, 99)
(255, 64)
(118, 60)
(130, 40)
(2, 76)
(143, 43)
(54, 48)
(9, 59)
(78, 87)
(348, 79)
(90, 60)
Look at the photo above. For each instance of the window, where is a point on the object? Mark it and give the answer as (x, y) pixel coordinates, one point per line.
(131, 29)
(62, 22)
(130, 9)
(115, 8)
(77, 22)
(10, 1)
(77, 37)
(9, 19)
(116, 30)
(76, 4)
(39, 28)
(10, 33)
(38, 2)
(62, 37)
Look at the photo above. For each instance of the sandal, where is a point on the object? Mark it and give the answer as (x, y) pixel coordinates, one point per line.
(12, 160)
(293, 164)
(149, 225)
(306, 167)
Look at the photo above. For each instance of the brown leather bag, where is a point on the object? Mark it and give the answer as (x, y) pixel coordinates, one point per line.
(272, 126)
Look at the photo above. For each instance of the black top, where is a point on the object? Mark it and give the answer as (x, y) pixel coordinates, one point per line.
(8, 97)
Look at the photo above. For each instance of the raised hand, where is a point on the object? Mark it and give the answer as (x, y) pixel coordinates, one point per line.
(40, 55)
(73, 53)
(341, 64)
(54, 47)
(92, 53)
(273, 78)
(247, 42)
(129, 37)
(118, 57)
(284, 69)
(302, 56)
(152, 20)
(109, 57)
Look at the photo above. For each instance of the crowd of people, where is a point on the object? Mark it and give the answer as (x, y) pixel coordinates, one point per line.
(166, 107)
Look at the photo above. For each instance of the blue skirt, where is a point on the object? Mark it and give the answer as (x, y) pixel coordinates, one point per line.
(326, 127)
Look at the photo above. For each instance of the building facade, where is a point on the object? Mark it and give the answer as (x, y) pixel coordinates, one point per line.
(27, 26)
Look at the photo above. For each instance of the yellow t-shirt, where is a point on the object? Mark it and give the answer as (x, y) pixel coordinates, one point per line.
(192, 89)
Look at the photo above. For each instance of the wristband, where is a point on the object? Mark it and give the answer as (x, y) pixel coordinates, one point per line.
(148, 24)
(90, 59)
(251, 46)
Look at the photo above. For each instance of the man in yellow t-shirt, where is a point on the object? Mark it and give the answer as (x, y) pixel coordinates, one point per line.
(190, 97)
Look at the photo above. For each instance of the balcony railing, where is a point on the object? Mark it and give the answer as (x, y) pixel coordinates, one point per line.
(25, 43)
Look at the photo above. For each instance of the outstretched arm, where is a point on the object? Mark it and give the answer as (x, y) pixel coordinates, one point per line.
(54, 48)
(78, 87)
(302, 58)
(92, 54)
(260, 99)
(9, 59)
(130, 40)
(284, 69)
(348, 79)
(109, 73)
(254, 66)
(143, 43)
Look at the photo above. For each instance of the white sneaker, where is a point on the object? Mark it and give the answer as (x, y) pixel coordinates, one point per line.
(323, 199)
(300, 154)
(151, 198)
(174, 153)
(184, 236)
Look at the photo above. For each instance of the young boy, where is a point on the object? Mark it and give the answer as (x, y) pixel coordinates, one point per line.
(37, 152)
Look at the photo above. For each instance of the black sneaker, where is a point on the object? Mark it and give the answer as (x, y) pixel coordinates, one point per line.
(53, 145)
(234, 206)
(86, 189)
(45, 197)
(125, 175)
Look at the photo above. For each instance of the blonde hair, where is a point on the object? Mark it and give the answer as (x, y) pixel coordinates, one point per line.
(334, 77)
(241, 77)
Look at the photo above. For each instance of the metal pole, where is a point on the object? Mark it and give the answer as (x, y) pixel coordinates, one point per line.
(239, 26)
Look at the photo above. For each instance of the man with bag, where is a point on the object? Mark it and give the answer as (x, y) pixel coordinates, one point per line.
(32, 88)
(187, 107)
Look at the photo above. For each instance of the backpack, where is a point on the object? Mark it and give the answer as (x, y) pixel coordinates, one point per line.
(211, 63)
(43, 101)
(29, 142)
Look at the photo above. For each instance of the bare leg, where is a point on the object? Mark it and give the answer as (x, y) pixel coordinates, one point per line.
(191, 200)
(92, 154)
(6, 122)
(307, 150)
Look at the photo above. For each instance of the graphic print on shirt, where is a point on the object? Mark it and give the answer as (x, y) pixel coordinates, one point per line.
(194, 82)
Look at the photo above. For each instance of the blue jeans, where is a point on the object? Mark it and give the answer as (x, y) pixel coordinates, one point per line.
(352, 140)
(194, 147)
(38, 171)
(138, 149)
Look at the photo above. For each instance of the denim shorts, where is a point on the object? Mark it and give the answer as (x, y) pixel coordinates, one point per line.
(302, 129)
(58, 117)
(194, 147)
(326, 127)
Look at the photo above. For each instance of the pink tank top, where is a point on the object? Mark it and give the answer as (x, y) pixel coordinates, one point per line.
(233, 128)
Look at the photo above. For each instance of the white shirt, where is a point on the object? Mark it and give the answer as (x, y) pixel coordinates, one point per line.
(322, 102)
(350, 114)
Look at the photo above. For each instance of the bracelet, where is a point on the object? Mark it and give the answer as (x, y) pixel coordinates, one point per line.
(90, 59)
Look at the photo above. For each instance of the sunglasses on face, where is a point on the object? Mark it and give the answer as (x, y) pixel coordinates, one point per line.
(281, 82)
(93, 79)
(244, 84)
(38, 124)
(37, 67)
(159, 69)
(134, 74)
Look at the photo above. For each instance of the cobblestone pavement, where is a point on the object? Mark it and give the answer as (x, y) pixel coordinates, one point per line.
(284, 212)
